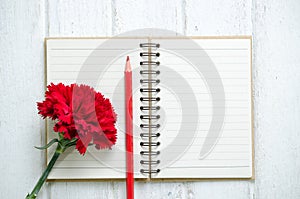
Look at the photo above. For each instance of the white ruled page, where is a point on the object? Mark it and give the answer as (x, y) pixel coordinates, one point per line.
(99, 63)
(206, 114)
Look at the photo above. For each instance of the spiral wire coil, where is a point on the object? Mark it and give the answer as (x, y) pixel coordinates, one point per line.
(149, 69)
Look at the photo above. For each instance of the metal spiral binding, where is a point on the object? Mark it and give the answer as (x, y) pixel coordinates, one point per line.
(148, 153)
(146, 81)
(149, 106)
(146, 108)
(146, 135)
(149, 45)
(146, 54)
(148, 171)
(147, 162)
(147, 90)
(145, 117)
(152, 99)
(152, 63)
(149, 144)
(147, 72)
(147, 126)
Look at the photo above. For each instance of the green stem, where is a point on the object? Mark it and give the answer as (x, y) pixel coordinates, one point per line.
(59, 150)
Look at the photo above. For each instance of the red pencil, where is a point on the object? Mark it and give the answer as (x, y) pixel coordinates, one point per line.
(129, 126)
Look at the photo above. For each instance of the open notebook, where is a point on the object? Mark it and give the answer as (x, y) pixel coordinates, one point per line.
(192, 105)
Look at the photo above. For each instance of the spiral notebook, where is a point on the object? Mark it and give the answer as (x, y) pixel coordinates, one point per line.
(192, 105)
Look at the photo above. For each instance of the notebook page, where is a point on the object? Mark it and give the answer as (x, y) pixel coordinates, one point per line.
(206, 119)
(99, 63)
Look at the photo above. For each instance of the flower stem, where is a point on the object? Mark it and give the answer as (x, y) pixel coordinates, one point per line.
(59, 150)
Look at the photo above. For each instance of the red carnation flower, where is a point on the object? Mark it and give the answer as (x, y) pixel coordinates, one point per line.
(81, 113)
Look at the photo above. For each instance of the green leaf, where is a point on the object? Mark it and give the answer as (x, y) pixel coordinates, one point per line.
(72, 142)
(48, 145)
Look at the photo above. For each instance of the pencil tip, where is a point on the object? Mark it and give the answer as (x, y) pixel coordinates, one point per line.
(127, 66)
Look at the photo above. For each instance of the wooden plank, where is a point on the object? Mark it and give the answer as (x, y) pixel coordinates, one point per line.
(218, 17)
(132, 14)
(277, 98)
(21, 78)
(79, 18)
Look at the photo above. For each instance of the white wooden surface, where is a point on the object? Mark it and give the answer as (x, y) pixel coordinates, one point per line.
(276, 73)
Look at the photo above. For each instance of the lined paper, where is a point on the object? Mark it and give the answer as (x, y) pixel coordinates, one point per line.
(188, 80)
(100, 64)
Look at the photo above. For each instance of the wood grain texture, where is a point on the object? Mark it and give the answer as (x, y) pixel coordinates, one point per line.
(218, 17)
(22, 76)
(137, 14)
(277, 98)
(79, 18)
(275, 28)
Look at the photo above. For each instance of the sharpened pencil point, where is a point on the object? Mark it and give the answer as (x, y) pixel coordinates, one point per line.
(127, 66)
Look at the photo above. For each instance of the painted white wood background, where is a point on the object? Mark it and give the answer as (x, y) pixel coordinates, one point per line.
(276, 73)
